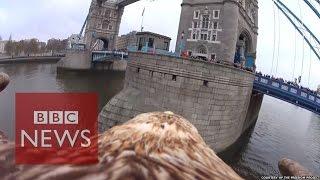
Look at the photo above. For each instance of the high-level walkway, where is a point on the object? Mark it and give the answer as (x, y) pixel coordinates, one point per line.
(287, 92)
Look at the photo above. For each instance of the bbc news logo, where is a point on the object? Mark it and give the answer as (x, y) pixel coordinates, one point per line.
(55, 117)
(56, 128)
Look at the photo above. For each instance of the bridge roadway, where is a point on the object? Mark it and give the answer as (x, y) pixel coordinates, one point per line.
(288, 93)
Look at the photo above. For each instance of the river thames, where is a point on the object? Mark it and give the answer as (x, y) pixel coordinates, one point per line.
(282, 130)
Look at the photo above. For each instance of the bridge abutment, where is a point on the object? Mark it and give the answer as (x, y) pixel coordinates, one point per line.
(75, 60)
(214, 97)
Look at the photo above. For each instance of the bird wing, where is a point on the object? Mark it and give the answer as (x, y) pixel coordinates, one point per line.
(151, 146)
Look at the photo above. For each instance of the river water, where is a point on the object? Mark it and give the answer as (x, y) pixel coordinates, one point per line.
(282, 130)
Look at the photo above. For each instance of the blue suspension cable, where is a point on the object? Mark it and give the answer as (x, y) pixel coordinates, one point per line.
(274, 37)
(280, 6)
(303, 43)
(298, 19)
(295, 54)
(279, 38)
(313, 8)
(309, 68)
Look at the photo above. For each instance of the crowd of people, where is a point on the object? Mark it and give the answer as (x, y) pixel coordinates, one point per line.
(237, 65)
(294, 83)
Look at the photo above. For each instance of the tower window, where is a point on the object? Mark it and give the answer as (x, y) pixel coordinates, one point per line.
(216, 14)
(107, 13)
(213, 57)
(174, 77)
(205, 83)
(105, 24)
(205, 21)
(194, 36)
(196, 14)
(214, 37)
(166, 46)
(204, 36)
(195, 24)
(215, 25)
(150, 42)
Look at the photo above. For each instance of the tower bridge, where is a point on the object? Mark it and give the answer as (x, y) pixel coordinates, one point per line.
(220, 99)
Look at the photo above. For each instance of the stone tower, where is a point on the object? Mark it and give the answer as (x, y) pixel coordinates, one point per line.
(224, 30)
(103, 24)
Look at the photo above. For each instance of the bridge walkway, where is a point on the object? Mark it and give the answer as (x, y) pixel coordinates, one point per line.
(287, 92)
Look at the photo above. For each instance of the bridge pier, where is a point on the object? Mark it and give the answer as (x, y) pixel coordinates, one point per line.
(75, 60)
(217, 99)
(118, 65)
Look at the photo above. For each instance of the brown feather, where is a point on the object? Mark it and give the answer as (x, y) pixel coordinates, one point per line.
(150, 146)
(4, 81)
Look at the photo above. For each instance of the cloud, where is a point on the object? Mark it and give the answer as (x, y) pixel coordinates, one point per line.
(3, 16)
(44, 19)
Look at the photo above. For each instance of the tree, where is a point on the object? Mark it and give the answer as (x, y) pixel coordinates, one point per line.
(52, 45)
(63, 45)
(0, 38)
(9, 47)
(15, 48)
(33, 46)
(42, 47)
(20, 47)
(57, 45)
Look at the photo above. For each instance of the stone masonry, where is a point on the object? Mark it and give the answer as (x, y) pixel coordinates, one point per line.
(213, 97)
(213, 28)
(103, 23)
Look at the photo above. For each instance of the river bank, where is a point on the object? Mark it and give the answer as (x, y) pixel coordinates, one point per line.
(27, 59)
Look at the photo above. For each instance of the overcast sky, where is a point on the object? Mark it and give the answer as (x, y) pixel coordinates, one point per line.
(45, 19)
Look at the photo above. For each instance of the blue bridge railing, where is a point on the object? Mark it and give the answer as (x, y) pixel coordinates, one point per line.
(287, 92)
(101, 56)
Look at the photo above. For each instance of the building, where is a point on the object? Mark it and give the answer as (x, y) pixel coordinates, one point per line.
(152, 41)
(127, 40)
(76, 42)
(2, 45)
(224, 30)
(103, 24)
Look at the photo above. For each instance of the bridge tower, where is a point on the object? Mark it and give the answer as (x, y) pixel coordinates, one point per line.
(224, 30)
(103, 24)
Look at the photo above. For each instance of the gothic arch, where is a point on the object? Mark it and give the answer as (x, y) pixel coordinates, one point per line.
(202, 50)
(246, 37)
(105, 42)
